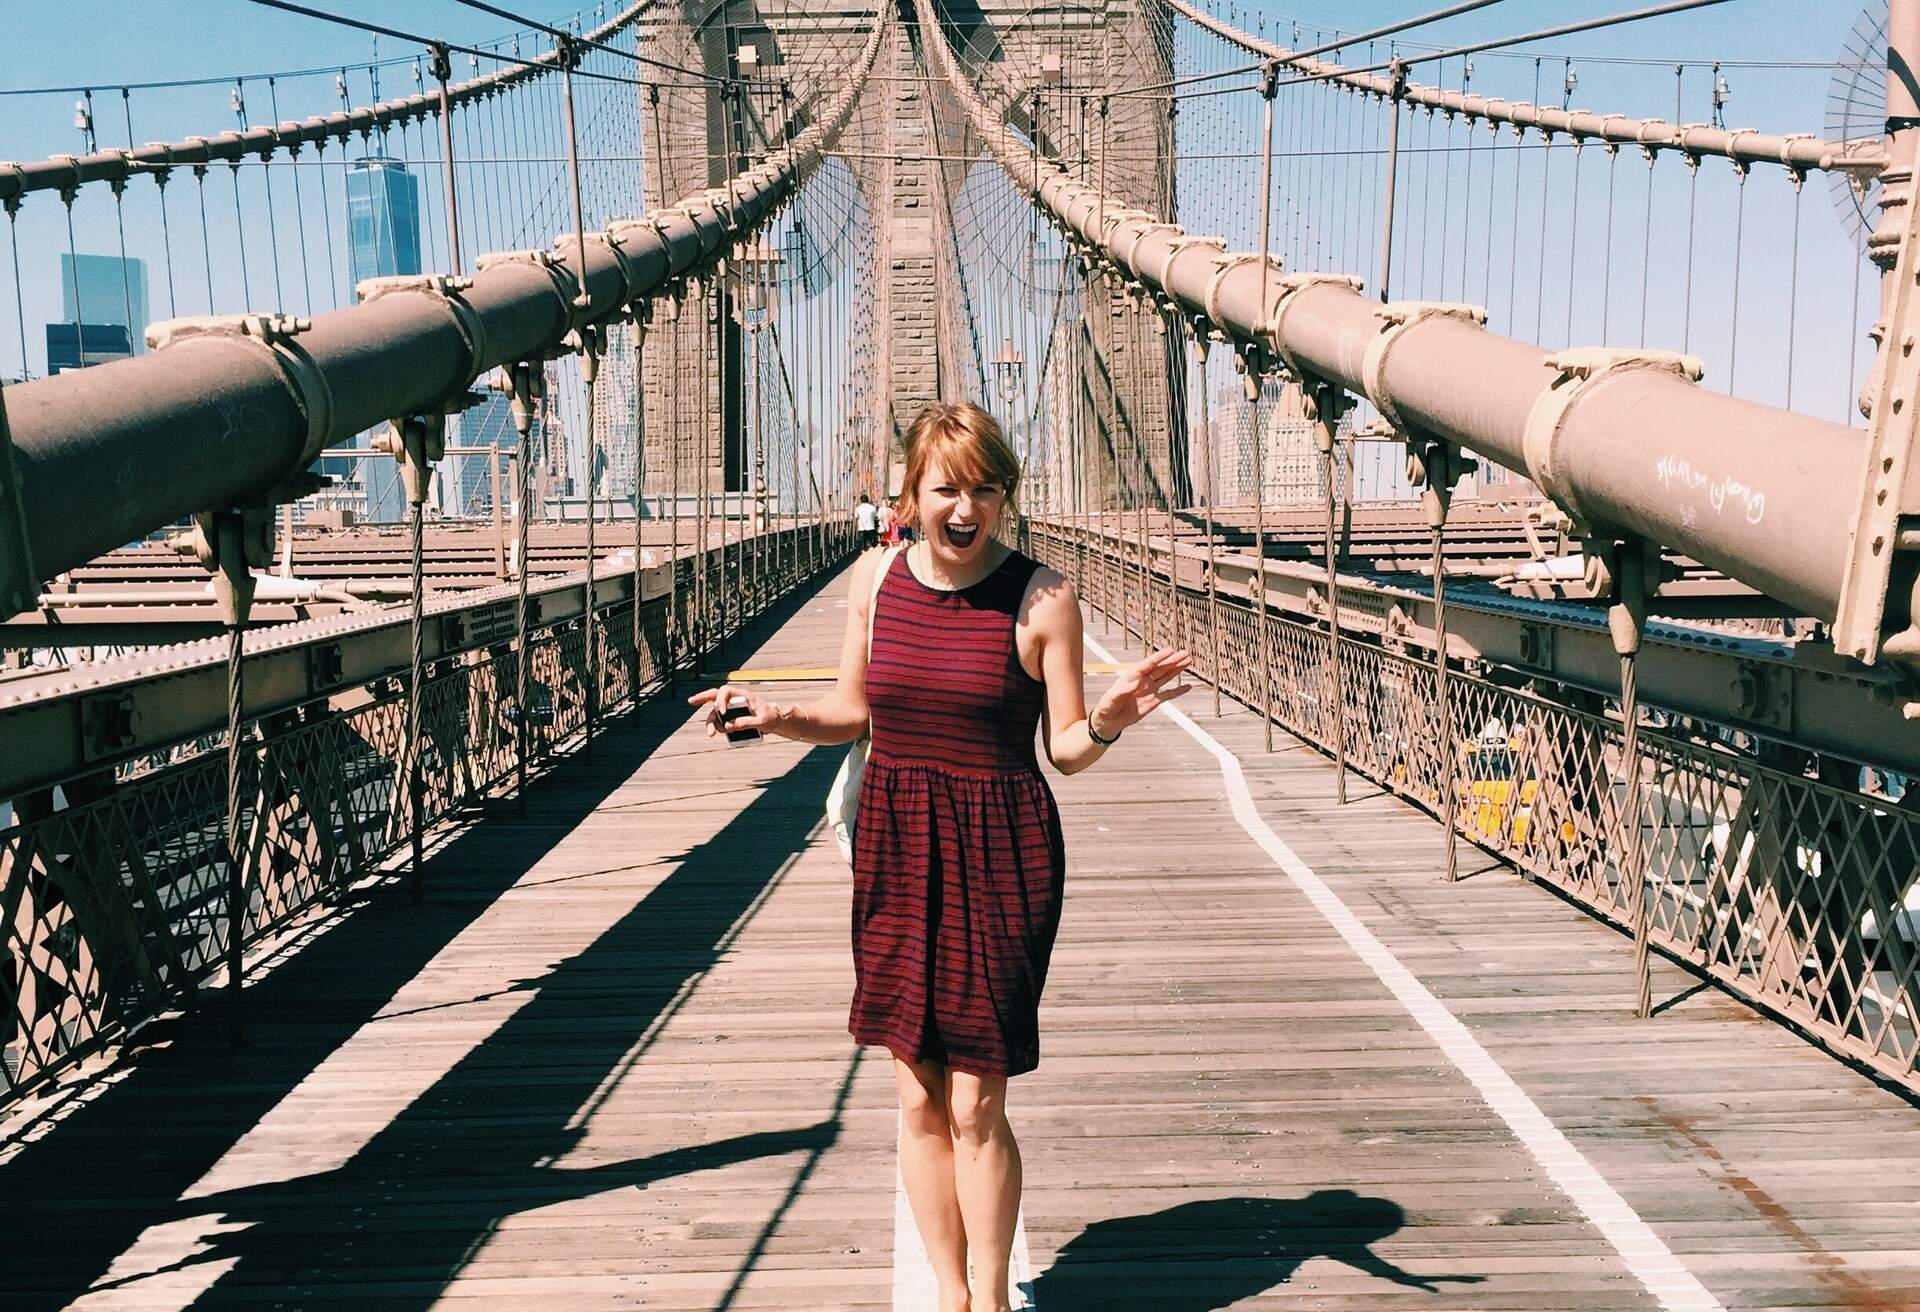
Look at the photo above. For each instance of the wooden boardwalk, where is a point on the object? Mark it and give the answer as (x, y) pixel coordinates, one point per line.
(606, 1066)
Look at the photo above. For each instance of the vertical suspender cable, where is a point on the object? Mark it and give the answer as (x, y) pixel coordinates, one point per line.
(1200, 329)
(589, 368)
(1399, 76)
(442, 69)
(1438, 463)
(641, 314)
(1255, 362)
(526, 382)
(1330, 405)
(1627, 618)
(416, 687)
(234, 585)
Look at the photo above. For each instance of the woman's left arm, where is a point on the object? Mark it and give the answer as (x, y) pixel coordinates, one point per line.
(1053, 612)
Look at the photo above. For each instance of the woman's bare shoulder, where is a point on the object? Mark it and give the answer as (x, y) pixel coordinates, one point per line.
(860, 577)
(1050, 598)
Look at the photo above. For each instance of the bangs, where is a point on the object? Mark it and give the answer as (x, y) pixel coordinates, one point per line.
(963, 442)
(963, 460)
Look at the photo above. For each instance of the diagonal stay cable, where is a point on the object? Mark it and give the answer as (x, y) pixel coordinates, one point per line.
(1402, 25)
(398, 34)
(562, 35)
(1538, 34)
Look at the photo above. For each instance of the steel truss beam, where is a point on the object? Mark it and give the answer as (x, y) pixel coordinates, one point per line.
(91, 716)
(1799, 694)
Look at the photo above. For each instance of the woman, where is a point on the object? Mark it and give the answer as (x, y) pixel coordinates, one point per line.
(958, 859)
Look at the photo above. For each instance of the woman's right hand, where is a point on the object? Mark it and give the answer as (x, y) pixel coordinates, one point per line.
(763, 713)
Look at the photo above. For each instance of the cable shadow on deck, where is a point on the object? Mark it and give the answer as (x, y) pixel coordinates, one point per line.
(418, 1199)
(1207, 1255)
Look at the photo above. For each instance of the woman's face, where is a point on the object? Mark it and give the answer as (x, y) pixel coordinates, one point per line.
(957, 516)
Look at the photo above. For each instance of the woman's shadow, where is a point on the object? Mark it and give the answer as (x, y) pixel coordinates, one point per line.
(1202, 1256)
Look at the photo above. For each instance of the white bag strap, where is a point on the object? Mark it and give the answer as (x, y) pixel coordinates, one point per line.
(873, 597)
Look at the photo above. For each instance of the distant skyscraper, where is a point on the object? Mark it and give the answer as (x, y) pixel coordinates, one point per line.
(1288, 446)
(488, 424)
(383, 219)
(105, 289)
(383, 239)
(80, 345)
(616, 402)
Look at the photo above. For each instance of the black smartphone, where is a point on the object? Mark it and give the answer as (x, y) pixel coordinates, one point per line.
(738, 737)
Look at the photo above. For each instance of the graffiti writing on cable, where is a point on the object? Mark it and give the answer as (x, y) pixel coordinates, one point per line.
(1720, 493)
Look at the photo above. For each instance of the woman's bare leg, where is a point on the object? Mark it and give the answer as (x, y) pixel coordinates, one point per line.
(986, 1162)
(926, 1166)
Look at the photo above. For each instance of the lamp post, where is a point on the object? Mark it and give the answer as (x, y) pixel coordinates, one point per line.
(752, 276)
(1009, 374)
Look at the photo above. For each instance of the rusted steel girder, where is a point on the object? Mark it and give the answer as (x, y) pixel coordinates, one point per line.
(1797, 151)
(1624, 441)
(65, 171)
(219, 416)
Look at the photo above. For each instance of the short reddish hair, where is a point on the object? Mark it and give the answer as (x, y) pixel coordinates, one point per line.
(965, 441)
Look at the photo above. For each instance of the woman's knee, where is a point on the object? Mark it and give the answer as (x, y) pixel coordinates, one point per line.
(923, 1103)
(976, 1107)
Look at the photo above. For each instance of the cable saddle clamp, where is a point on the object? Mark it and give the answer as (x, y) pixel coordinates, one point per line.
(1577, 370)
(1396, 317)
(444, 291)
(274, 334)
(1290, 286)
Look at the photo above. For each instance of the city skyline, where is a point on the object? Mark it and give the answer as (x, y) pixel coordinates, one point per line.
(106, 289)
(383, 219)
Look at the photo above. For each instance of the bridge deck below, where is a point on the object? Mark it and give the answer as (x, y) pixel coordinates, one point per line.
(606, 1066)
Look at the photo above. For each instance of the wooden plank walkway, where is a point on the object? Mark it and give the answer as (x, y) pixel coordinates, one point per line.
(606, 1066)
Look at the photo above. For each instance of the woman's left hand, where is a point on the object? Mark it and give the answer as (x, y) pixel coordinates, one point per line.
(1141, 688)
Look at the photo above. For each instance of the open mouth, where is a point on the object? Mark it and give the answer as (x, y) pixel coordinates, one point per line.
(962, 537)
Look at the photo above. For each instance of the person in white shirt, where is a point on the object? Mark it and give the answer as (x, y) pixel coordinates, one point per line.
(866, 519)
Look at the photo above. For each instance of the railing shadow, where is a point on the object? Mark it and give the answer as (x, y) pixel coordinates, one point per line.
(1207, 1255)
(472, 1148)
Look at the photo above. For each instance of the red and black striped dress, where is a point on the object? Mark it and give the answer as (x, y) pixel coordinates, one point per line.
(958, 863)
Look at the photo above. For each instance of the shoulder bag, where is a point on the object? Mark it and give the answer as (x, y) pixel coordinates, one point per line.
(843, 798)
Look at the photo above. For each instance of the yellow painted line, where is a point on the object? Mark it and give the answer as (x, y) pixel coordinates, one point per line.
(828, 674)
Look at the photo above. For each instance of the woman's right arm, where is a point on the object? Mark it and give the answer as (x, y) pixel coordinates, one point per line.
(838, 717)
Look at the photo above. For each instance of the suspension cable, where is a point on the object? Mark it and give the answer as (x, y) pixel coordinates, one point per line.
(562, 34)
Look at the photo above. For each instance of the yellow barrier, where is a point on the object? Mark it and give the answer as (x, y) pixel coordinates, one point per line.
(827, 674)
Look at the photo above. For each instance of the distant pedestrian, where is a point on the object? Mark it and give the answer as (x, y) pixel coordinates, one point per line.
(866, 519)
(958, 861)
(889, 524)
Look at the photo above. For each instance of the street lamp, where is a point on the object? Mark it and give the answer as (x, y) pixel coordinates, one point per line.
(1009, 370)
(751, 277)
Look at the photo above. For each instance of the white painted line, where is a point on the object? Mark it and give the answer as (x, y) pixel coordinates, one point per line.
(1643, 1252)
(914, 1288)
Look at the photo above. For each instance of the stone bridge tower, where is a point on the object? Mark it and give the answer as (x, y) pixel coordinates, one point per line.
(1075, 57)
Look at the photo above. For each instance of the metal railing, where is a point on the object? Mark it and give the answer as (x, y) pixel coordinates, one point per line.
(119, 907)
(1794, 893)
